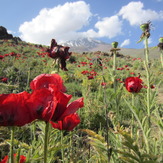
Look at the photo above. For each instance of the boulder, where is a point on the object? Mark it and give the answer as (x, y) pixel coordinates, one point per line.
(4, 34)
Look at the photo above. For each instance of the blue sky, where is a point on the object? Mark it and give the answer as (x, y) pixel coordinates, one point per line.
(38, 21)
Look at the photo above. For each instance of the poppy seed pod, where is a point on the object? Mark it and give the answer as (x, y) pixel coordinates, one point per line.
(114, 44)
(161, 40)
(144, 27)
(160, 45)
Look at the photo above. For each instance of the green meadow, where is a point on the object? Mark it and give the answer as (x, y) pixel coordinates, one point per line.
(116, 125)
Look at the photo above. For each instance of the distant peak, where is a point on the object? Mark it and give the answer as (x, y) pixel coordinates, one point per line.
(86, 44)
(83, 41)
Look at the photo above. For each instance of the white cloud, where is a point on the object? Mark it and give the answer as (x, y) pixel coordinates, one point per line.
(107, 27)
(135, 13)
(60, 22)
(125, 43)
(10, 32)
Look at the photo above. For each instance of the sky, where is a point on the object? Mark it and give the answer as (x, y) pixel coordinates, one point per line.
(38, 21)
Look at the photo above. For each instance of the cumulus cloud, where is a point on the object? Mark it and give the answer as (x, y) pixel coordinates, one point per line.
(10, 32)
(125, 43)
(107, 27)
(135, 13)
(67, 22)
(60, 22)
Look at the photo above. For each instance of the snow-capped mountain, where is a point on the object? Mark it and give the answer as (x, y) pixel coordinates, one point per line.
(87, 45)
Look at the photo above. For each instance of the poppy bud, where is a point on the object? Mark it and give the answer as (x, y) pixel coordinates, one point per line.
(144, 26)
(160, 45)
(114, 44)
(161, 40)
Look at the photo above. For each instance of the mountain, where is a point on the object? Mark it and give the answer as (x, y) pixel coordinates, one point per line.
(87, 45)
(5, 35)
(90, 45)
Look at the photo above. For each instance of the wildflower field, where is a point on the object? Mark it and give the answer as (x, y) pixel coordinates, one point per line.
(106, 108)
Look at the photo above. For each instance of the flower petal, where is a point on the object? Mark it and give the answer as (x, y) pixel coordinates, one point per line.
(68, 123)
(44, 80)
(73, 107)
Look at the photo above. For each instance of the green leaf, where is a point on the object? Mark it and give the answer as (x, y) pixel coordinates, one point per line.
(141, 39)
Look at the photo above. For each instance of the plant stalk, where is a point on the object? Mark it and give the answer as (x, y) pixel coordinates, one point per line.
(107, 119)
(107, 126)
(148, 79)
(12, 145)
(161, 58)
(62, 151)
(132, 120)
(28, 78)
(115, 82)
(114, 70)
(46, 140)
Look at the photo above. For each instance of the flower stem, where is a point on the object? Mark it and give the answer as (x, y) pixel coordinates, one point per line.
(62, 151)
(132, 120)
(114, 81)
(46, 140)
(161, 58)
(148, 79)
(58, 65)
(12, 145)
(107, 121)
(28, 78)
(107, 125)
(114, 70)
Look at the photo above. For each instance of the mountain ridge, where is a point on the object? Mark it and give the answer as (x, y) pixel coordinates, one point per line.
(90, 45)
(87, 44)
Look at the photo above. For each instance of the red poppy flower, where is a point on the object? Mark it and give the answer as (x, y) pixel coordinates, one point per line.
(23, 108)
(44, 81)
(12, 54)
(85, 72)
(5, 159)
(133, 84)
(103, 84)
(120, 68)
(132, 73)
(90, 77)
(1, 56)
(152, 86)
(68, 123)
(13, 110)
(42, 104)
(4, 80)
(83, 63)
(53, 105)
(64, 109)
(22, 158)
(94, 73)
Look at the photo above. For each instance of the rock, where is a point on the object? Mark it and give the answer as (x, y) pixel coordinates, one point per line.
(4, 34)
